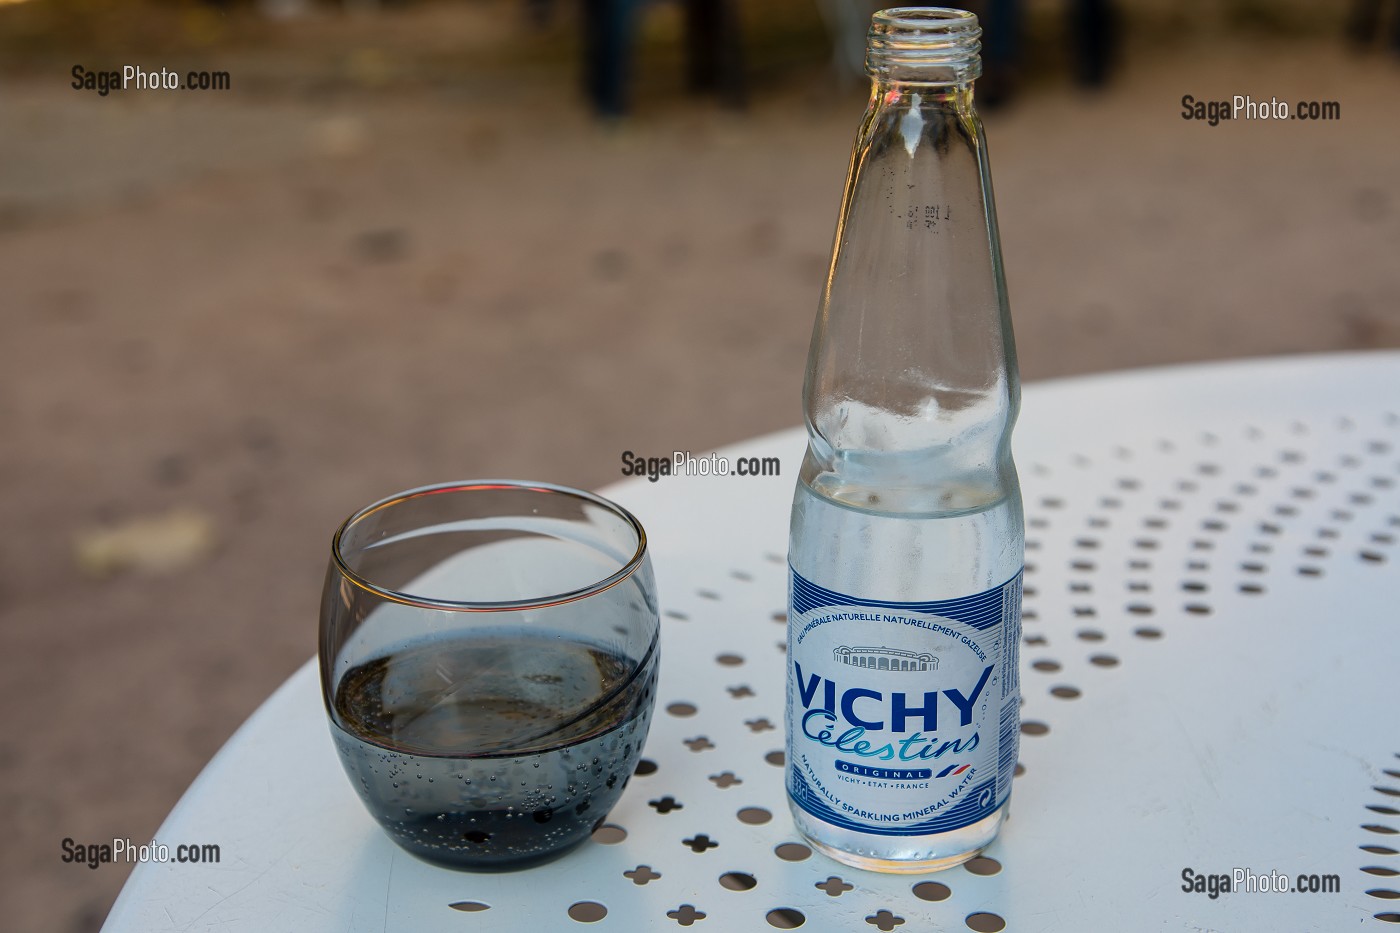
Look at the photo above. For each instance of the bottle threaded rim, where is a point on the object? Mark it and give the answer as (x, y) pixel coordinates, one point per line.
(943, 41)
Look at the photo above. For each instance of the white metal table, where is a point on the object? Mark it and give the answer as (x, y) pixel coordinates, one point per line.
(1211, 680)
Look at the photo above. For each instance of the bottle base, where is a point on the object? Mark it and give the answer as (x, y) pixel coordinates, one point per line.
(906, 855)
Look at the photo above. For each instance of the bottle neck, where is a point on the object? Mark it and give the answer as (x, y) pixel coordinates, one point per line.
(924, 46)
(889, 94)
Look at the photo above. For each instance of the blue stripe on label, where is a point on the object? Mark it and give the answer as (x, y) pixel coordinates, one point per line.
(886, 774)
(981, 611)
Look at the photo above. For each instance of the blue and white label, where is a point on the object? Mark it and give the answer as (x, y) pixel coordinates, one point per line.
(902, 718)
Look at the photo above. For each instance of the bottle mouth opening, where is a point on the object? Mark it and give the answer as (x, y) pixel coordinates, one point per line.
(946, 42)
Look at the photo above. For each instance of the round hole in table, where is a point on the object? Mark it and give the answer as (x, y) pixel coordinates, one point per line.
(738, 881)
(1034, 727)
(786, 918)
(754, 816)
(792, 852)
(985, 922)
(681, 709)
(932, 891)
(587, 912)
(469, 906)
(609, 834)
(1065, 692)
(982, 865)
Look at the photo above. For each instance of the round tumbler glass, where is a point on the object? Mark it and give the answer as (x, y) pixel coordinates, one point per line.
(488, 658)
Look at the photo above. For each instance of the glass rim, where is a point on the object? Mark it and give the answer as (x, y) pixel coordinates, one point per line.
(539, 602)
(939, 18)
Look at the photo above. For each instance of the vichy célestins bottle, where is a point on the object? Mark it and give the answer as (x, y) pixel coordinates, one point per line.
(908, 539)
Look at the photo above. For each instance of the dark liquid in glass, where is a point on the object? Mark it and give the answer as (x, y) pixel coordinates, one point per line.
(492, 752)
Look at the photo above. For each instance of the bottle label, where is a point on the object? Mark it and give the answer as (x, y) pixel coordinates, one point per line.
(902, 718)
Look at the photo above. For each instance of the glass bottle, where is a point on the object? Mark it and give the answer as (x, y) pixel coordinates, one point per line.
(907, 538)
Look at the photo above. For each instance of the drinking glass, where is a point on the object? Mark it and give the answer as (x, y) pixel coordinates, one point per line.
(488, 656)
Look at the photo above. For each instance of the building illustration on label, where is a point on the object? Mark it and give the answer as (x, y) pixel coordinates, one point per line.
(886, 659)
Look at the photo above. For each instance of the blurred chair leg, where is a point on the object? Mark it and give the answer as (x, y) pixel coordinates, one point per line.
(1094, 28)
(1363, 20)
(1001, 51)
(715, 50)
(607, 50)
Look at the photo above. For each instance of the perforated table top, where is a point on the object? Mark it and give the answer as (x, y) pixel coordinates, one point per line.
(1211, 675)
